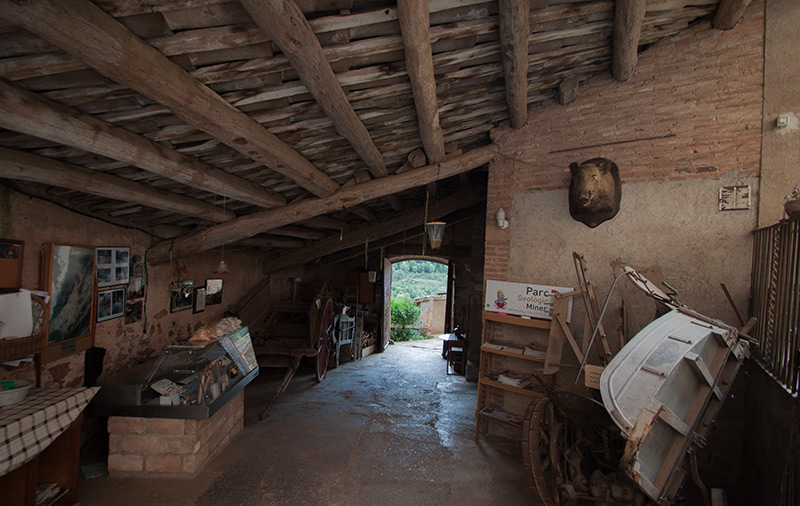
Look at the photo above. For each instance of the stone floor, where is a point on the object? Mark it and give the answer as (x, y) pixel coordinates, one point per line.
(391, 429)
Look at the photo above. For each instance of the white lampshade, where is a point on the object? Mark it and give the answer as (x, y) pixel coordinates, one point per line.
(222, 268)
(435, 233)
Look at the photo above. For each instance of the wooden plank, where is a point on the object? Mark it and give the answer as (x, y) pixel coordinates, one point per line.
(285, 25)
(627, 31)
(415, 29)
(115, 52)
(514, 30)
(23, 166)
(27, 112)
(516, 320)
(729, 12)
(253, 224)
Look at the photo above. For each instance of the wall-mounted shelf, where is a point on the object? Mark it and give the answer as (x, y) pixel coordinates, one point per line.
(494, 358)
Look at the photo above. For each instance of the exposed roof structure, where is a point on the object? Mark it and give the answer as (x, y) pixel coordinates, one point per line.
(276, 123)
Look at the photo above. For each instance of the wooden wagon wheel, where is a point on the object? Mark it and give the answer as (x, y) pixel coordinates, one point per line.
(324, 332)
(542, 441)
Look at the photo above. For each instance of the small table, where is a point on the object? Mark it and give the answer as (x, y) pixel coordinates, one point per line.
(40, 441)
(446, 343)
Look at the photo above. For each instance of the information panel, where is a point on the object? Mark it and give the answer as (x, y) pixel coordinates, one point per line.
(523, 299)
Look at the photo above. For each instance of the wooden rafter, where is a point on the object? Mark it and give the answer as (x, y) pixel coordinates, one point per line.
(29, 113)
(414, 21)
(267, 242)
(22, 166)
(284, 23)
(628, 16)
(111, 49)
(514, 29)
(729, 12)
(253, 224)
(385, 228)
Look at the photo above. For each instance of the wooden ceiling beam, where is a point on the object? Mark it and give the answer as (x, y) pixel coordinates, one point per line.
(383, 229)
(414, 19)
(514, 30)
(29, 113)
(324, 222)
(256, 223)
(285, 24)
(86, 31)
(729, 12)
(298, 232)
(628, 16)
(22, 166)
(266, 243)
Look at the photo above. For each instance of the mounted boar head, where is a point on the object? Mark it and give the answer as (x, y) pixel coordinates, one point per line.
(594, 191)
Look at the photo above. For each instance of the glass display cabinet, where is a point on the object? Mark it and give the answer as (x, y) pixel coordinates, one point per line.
(184, 381)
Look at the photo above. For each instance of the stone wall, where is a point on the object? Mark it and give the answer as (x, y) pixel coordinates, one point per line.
(38, 222)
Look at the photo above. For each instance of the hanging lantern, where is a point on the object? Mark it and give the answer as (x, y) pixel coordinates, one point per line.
(435, 231)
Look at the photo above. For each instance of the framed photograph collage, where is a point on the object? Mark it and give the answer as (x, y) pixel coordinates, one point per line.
(113, 266)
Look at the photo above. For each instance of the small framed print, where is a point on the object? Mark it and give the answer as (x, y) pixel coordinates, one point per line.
(110, 304)
(112, 266)
(181, 296)
(213, 292)
(199, 299)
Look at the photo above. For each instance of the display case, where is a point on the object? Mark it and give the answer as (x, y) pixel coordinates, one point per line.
(184, 381)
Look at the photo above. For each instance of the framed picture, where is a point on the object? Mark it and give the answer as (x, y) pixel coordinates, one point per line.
(133, 311)
(213, 292)
(181, 296)
(10, 265)
(113, 266)
(199, 299)
(110, 304)
(69, 274)
(135, 288)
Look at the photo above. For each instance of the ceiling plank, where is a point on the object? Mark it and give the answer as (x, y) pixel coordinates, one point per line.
(298, 232)
(256, 223)
(386, 228)
(285, 24)
(266, 243)
(729, 12)
(628, 18)
(514, 29)
(115, 52)
(29, 113)
(414, 21)
(22, 166)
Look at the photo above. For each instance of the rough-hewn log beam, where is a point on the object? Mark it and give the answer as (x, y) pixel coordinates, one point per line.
(265, 243)
(87, 32)
(729, 12)
(409, 219)
(253, 224)
(298, 232)
(628, 18)
(285, 24)
(514, 29)
(22, 166)
(324, 222)
(414, 21)
(29, 113)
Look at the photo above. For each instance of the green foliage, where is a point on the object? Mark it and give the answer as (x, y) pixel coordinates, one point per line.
(417, 278)
(404, 312)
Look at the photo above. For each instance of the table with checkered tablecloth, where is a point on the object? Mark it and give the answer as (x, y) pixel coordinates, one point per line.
(29, 426)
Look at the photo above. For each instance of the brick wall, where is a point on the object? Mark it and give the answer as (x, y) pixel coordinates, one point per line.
(692, 109)
(171, 446)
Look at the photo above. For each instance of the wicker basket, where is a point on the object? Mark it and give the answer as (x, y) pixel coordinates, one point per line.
(13, 349)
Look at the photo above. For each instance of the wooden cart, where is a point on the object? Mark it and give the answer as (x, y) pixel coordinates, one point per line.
(292, 331)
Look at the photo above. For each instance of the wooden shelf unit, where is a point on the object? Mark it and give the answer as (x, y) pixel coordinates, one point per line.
(483, 412)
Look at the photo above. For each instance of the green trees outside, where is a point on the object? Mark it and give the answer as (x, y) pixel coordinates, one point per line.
(404, 312)
(412, 279)
(417, 278)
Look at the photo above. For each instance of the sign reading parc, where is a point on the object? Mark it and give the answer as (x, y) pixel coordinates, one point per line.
(523, 299)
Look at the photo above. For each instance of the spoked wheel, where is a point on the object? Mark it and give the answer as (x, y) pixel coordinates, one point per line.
(324, 333)
(551, 450)
(544, 440)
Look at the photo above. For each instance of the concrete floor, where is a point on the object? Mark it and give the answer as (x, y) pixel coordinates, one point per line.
(391, 429)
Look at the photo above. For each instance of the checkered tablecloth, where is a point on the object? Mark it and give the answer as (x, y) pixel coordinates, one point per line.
(28, 427)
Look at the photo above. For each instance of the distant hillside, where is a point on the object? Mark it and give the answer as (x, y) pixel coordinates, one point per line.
(417, 278)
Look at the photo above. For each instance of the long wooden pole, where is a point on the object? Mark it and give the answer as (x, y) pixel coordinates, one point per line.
(253, 224)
